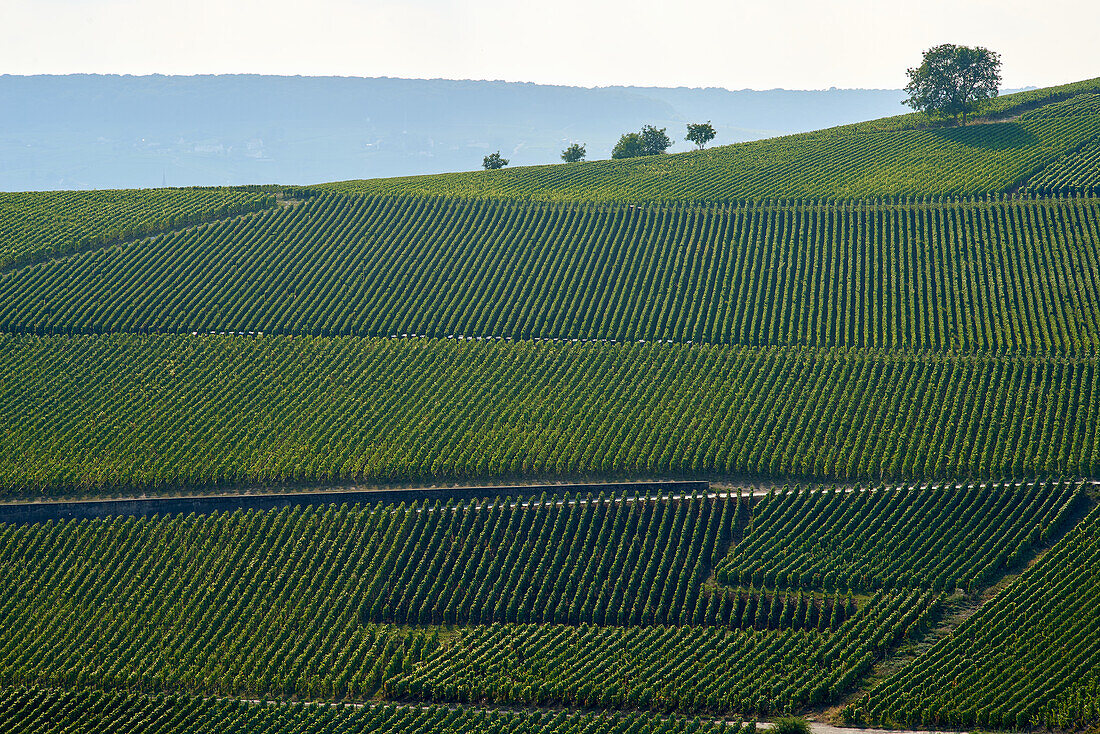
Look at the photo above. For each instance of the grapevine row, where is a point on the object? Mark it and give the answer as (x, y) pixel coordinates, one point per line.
(617, 561)
(89, 414)
(1078, 171)
(271, 603)
(45, 711)
(944, 538)
(975, 275)
(581, 561)
(665, 668)
(1028, 658)
(34, 225)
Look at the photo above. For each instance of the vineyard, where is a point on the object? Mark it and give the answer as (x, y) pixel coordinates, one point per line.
(1003, 275)
(940, 538)
(1076, 172)
(899, 318)
(1000, 107)
(1029, 658)
(35, 225)
(301, 602)
(44, 711)
(963, 161)
(701, 669)
(108, 413)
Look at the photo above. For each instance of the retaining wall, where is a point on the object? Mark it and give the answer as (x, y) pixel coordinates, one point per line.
(31, 512)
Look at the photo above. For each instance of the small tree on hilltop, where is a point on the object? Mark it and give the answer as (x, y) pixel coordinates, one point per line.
(655, 141)
(630, 145)
(574, 153)
(954, 80)
(700, 133)
(493, 161)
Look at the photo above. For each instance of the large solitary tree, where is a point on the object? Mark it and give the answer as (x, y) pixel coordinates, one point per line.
(953, 80)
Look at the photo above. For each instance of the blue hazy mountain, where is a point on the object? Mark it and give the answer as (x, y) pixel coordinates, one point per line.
(95, 131)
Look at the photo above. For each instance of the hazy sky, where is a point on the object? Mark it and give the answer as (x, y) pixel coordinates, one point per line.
(797, 44)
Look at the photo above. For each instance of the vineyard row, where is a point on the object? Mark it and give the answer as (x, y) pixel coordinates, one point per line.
(1029, 658)
(1006, 275)
(45, 711)
(272, 603)
(95, 414)
(35, 225)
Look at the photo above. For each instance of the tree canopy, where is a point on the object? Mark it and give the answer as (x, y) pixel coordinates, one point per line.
(574, 153)
(700, 133)
(650, 141)
(630, 145)
(493, 161)
(953, 80)
(655, 140)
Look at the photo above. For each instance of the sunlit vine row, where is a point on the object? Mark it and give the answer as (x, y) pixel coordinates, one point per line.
(1078, 171)
(255, 604)
(667, 668)
(941, 538)
(975, 275)
(34, 225)
(1028, 658)
(45, 711)
(94, 414)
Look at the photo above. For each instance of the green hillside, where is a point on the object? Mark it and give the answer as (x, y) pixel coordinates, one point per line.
(269, 603)
(147, 413)
(898, 318)
(46, 711)
(1029, 658)
(35, 225)
(1001, 275)
(996, 156)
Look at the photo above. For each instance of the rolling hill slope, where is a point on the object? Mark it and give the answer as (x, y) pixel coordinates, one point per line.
(92, 414)
(548, 323)
(848, 162)
(978, 275)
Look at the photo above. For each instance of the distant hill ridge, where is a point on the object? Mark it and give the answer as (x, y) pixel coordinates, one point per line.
(91, 131)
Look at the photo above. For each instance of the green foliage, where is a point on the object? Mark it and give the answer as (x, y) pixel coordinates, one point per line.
(536, 562)
(666, 668)
(630, 145)
(790, 725)
(256, 604)
(36, 225)
(700, 133)
(650, 141)
(654, 140)
(1027, 659)
(942, 538)
(1072, 173)
(46, 711)
(493, 162)
(575, 153)
(953, 80)
(89, 414)
(841, 162)
(910, 275)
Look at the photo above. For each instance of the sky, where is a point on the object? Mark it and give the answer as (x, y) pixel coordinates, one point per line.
(765, 44)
